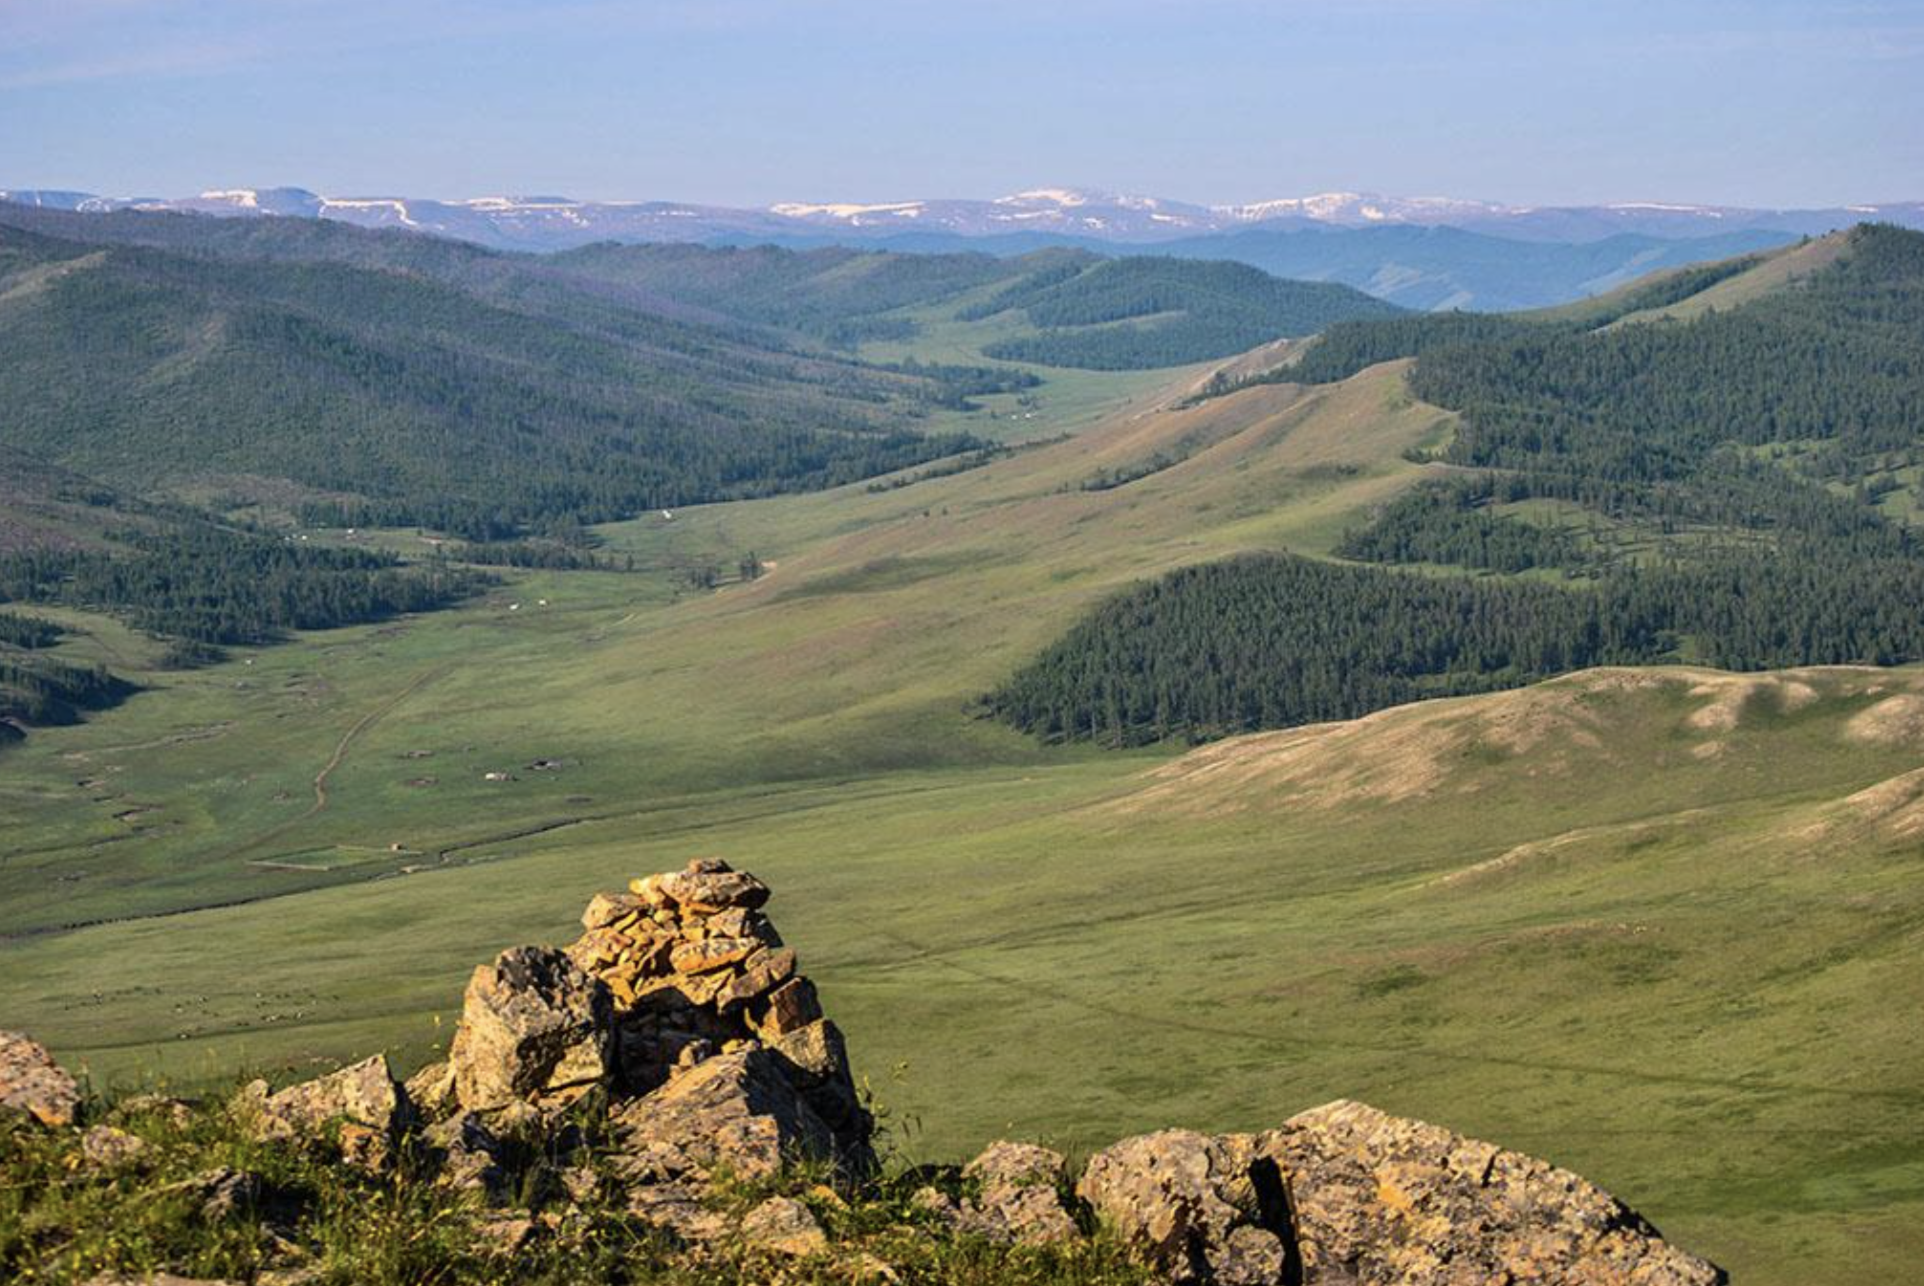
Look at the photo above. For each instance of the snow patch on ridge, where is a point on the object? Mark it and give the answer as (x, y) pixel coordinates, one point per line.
(395, 204)
(797, 210)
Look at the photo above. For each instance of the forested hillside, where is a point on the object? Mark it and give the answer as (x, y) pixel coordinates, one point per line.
(35, 688)
(395, 395)
(837, 295)
(204, 585)
(1069, 307)
(1124, 314)
(1734, 489)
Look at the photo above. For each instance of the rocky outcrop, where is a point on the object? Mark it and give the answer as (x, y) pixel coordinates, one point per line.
(1346, 1195)
(1016, 1201)
(785, 1226)
(1383, 1199)
(1200, 1209)
(736, 1113)
(361, 1108)
(682, 1006)
(534, 1035)
(105, 1147)
(466, 1154)
(698, 975)
(32, 1083)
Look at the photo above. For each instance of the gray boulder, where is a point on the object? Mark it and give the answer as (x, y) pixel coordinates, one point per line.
(1016, 1202)
(786, 1227)
(815, 1061)
(534, 1034)
(1199, 1209)
(734, 1112)
(361, 1107)
(466, 1154)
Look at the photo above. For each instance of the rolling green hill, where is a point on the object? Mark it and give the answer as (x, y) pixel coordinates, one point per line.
(1119, 314)
(841, 296)
(1075, 309)
(377, 394)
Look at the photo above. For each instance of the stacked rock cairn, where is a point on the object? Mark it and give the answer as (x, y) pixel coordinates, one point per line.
(694, 969)
(681, 1010)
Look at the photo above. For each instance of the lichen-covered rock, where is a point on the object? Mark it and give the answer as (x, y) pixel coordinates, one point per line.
(785, 1226)
(711, 885)
(711, 953)
(1199, 1209)
(152, 1107)
(787, 1008)
(431, 1091)
(696, 971)
(761, 973)
(605, 909)
(1380, 1199)
(33, 1083)
(678, 1208)
(505, 1235)
(105, 1148)
(361, 1107)
(1016, 1201)
(737, 1113)
(535, 1033)
(225, 1192)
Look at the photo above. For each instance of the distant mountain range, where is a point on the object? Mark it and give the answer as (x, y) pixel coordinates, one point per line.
(1421, 252)
(551, 222)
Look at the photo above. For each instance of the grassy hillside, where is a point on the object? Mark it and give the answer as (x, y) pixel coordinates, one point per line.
(1542, 917)
(1647, 466)
(880, 619)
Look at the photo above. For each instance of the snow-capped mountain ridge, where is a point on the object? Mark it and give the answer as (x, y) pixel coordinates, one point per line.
(546, 222)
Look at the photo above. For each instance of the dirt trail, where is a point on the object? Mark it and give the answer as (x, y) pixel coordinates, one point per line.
(334, 761)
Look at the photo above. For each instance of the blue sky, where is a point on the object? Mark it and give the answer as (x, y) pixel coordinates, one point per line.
(752, 101)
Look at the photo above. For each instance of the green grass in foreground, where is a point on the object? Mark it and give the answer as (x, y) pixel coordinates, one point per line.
(312, 1219)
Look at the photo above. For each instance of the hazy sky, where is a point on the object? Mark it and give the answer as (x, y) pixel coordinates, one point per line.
(751, 101)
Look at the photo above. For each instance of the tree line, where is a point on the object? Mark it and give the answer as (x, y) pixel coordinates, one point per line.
(215, 587)
(1737, 447)
(1267, 641)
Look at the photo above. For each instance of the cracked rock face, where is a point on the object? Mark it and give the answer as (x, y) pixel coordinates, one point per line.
(1346, 1195)
(1385, 1199)
(1200, 1209)
(785, 1226)
(1016, 1203)
(534, 1034)
(738, 1113)
(362, 1102)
